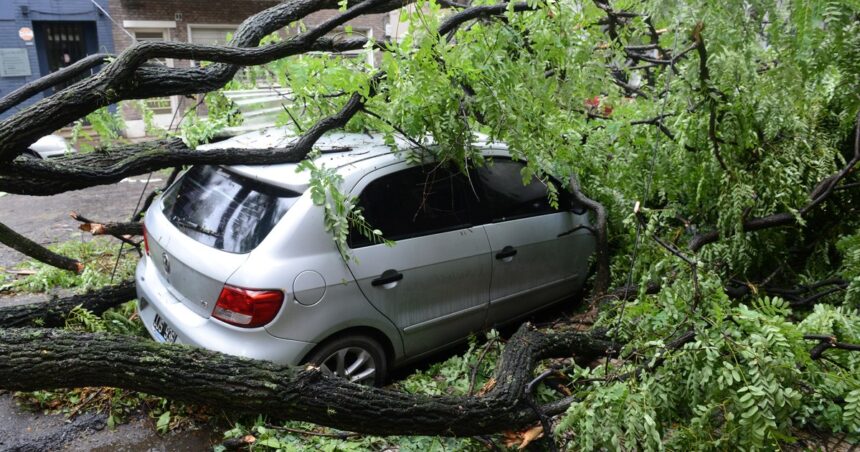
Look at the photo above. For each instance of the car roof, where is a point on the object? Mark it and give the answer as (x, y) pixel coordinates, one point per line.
(352, 154)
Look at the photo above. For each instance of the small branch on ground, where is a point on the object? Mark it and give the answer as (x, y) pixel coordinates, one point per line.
(26, 246)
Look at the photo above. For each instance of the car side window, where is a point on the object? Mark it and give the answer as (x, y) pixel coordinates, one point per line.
(505, 196)
(413, 202)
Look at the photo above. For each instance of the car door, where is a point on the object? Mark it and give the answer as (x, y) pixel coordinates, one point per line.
(539, 253)
(434, 282)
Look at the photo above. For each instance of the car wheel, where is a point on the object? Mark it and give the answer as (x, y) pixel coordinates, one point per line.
(359, 359)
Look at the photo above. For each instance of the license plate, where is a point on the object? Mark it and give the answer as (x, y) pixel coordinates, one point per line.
(163, 331)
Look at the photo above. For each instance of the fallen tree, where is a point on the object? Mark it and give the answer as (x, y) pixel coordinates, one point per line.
(52, 359)
(732, 234)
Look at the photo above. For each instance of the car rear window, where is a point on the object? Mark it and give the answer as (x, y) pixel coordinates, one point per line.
(224, 210)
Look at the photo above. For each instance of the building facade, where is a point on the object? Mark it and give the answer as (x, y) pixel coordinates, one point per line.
(38, 37)
(210, 22)
(207, 21)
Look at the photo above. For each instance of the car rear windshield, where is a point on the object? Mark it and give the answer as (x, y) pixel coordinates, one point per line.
(224, 210)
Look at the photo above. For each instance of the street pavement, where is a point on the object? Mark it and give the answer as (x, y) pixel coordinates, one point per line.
(45, 219)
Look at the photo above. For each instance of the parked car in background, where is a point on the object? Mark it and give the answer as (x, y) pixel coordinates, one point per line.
(237, 258)
(48, 146)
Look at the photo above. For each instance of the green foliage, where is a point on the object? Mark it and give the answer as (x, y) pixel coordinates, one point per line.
(781, 90)
(106, 125)
(849, 246)
(98, 256)
(120, 320)
(777, 108)
(148, 117)
(195, 130)
(747, 380)
(340, 210)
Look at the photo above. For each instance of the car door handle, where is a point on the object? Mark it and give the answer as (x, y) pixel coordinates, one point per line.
(387, 277)
(506, 254)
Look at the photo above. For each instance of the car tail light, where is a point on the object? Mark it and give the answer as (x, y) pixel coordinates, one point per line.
(145, 241)
(247, 308)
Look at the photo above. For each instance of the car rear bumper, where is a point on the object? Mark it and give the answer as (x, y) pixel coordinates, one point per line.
(192, 329)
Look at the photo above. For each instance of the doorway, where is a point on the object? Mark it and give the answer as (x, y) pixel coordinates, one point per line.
(62, 43)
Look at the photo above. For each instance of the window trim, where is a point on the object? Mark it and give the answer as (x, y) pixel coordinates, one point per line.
(155, 26)
(486, 209)
(190, 30)
(392, 169)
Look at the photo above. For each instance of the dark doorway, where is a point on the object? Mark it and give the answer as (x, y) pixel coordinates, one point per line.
(61, 43)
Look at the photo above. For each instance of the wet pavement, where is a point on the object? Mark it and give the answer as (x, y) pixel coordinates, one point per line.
(46, 220)
(24, 431)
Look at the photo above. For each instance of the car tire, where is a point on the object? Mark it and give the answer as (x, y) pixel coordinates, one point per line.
(338, 357)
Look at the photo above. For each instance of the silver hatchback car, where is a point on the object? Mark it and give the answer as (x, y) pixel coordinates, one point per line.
(237, 258)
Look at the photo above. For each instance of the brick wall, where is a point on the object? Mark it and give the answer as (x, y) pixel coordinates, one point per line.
(177, 18)
(212, 12)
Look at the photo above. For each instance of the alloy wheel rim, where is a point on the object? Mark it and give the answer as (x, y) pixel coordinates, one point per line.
(352, 363)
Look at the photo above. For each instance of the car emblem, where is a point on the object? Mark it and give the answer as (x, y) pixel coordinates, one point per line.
(165, 261)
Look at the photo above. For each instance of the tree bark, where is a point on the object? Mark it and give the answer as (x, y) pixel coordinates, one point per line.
(109, 166)
(33, 359)
(602, 279)
(53, 313)
(110, 228)
(26, 246)
(54, 78)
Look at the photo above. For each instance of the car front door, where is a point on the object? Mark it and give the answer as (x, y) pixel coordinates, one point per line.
(434, 282)
(539, 253)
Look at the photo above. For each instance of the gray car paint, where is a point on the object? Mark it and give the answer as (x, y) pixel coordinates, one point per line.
(549, 263)
(448, 287)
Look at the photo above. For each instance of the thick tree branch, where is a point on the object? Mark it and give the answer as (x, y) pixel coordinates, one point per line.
(53, 313)
(476, 12)
(77, 171)
(26, 246)
(110, 228)
(128, 78)
(63, 75)
(602, 279)
(38, 177)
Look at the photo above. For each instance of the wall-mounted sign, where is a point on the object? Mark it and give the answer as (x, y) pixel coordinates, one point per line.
(26, 33)
(14, 63)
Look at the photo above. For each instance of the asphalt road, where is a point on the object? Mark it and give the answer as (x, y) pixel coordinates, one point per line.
(45, 219)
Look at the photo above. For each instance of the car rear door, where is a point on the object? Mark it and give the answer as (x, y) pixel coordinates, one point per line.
(539, 253)
(434, 283)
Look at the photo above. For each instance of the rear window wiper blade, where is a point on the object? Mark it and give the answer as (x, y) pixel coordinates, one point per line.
(193, 226)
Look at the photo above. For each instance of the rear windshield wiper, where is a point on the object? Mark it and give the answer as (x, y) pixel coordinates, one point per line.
(193, 226)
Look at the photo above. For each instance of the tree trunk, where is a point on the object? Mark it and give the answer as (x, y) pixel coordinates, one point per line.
(33, 359)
